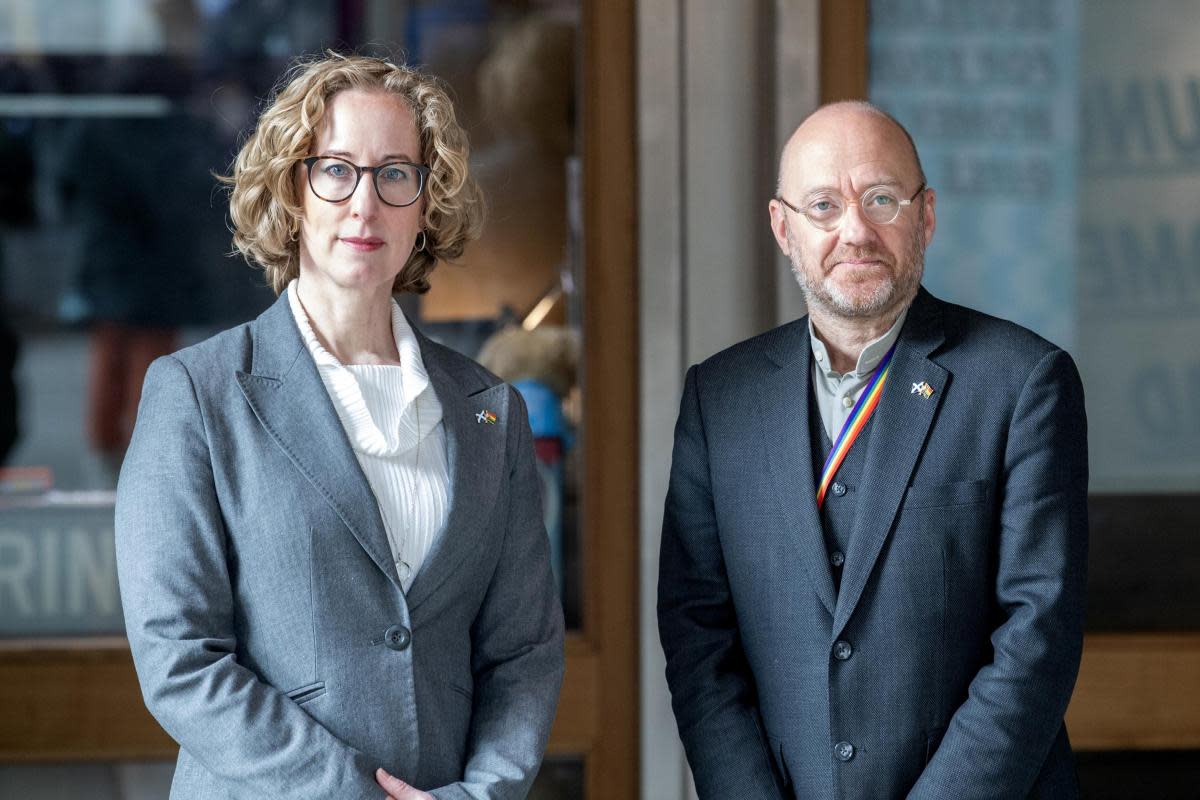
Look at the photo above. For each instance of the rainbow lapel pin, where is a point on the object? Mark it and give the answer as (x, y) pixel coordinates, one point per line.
(923, 389)
(485, 417)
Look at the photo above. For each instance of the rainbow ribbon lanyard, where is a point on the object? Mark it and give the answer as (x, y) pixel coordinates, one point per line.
(854, 425)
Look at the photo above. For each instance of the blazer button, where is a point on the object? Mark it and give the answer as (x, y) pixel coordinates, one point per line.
(837, 558)
(397, 637)
(844, 751)
(839, 488)
(842, 650)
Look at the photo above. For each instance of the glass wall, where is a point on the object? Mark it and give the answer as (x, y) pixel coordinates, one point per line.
(1063, 138)
(114, 250)
(513, 301)
(1138, 284)
(1064, 141)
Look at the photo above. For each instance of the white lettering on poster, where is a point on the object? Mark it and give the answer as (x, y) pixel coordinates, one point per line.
(56, 576)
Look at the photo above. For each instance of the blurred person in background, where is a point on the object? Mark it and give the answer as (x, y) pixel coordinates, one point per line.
(151, 227)
(8, 390)
(332, 560)
(141, 183)
(17, 209)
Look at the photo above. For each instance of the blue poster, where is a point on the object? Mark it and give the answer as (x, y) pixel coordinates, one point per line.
(989, 92)
(1139, 243)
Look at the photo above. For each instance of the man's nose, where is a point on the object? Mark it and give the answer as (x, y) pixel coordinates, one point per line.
(854, 227)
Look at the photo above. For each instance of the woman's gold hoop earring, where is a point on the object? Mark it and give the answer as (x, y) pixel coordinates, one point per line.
(424, 241)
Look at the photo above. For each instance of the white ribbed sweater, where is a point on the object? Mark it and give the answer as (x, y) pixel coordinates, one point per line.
(394, 422)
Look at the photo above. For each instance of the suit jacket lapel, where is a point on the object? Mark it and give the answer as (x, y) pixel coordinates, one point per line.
(786, 439)
(476, 458)
(898, 432)
(285, 392)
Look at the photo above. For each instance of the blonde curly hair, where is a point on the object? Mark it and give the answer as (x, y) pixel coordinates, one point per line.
(264, 202)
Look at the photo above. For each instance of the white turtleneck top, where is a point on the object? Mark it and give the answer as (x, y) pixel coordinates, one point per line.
(394, 422)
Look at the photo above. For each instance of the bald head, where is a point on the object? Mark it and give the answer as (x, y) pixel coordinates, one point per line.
(840, 123)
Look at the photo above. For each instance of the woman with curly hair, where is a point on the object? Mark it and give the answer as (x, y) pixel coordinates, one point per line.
(333, 567)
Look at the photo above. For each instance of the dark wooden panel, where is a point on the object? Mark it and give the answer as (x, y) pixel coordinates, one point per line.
(609, 501)
(576, 726)
(1170, 775)
(1137, 691)
(560, 778)
(79, 700)
(843, 50)
(1144, 563)
(74, 700)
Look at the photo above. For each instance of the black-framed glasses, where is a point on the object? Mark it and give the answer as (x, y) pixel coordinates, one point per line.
(398, 183)
(879, 205)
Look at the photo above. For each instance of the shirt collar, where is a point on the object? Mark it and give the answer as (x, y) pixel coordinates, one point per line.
(420, 411)
(870, 356)
(416, 379)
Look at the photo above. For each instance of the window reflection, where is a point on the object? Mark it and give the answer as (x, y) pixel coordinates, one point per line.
(114, 249)
(114, 241)
(512, 301)
(1064, 147)
(1064, 143)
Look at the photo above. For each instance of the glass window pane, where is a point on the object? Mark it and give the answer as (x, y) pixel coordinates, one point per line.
(1139, 236)
(513, 299)
(1063, 140)
(1063, 145)
(113, 251)
(114, 241)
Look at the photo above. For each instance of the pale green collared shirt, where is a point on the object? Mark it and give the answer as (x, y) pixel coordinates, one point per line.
(836, 393)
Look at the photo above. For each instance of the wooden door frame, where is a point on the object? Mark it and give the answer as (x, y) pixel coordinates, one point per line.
(598, 713)
(843, 50)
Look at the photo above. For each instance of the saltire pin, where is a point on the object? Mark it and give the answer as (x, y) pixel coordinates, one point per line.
(485, 417)
(923, 389)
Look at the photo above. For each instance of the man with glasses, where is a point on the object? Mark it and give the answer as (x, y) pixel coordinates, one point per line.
(874, 545)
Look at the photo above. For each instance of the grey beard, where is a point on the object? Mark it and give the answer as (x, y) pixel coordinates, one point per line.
(890, 294)
(832, 300)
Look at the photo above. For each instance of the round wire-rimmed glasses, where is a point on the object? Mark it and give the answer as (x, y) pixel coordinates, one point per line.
(879, 205)
(398, 183)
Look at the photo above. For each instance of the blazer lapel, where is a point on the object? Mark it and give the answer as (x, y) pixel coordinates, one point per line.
(898, 432)
(285, 392)
(476, 458)
(786, 440)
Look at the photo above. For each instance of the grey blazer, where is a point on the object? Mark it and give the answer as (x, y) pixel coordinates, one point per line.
(269, 630)
(942, 668)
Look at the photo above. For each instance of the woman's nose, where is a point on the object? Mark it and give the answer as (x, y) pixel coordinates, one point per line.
(365, 201)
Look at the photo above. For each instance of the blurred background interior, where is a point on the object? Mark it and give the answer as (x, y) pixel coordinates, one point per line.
(627, 149)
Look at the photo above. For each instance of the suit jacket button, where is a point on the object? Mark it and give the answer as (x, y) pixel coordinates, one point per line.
(397, 637)
(837, 558)
(842, 650)
(839, 488)
(844, 751)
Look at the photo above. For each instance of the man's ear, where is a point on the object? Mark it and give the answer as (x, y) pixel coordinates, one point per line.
(930, 201)
(779, 225)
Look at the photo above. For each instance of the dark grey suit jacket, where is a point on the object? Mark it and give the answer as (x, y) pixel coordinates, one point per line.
(962, 593)
(270, 633)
